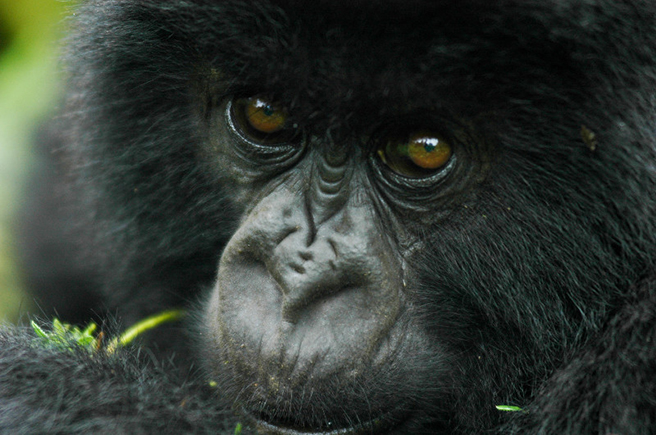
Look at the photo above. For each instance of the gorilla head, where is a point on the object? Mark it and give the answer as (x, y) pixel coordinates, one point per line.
(398, 214)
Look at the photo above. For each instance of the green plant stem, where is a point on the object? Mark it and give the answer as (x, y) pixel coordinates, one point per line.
(140, 327)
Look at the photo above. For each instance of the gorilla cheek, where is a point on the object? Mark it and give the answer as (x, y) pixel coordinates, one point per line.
(301, 301)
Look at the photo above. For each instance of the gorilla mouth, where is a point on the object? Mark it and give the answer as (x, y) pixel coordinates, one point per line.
(265, 423)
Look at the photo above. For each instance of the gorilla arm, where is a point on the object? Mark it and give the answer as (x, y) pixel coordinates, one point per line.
(606, 387)
(73, 391)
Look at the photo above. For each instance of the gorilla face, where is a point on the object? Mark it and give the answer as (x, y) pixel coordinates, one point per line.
(311, 297)
(411, 228)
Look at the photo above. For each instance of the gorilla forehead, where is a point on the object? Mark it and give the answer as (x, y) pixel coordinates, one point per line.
(339, 59)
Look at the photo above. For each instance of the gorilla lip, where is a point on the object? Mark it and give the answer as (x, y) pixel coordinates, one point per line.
(272, 427)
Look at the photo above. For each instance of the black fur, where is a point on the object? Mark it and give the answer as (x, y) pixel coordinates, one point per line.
(539, 285)
(54, 391)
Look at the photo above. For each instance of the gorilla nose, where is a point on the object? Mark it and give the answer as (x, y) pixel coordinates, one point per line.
(306, 274)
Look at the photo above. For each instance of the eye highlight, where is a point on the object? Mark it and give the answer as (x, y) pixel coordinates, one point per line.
(261, 120)
(418, 154)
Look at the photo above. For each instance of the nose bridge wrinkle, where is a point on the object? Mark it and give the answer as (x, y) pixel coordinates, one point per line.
(329, 191)
(332, 170)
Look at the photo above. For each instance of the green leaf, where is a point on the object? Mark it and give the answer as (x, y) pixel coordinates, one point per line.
(65, 336)
(510, 408)
(37, 329)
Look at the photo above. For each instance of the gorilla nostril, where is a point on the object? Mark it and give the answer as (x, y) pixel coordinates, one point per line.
(297, 268)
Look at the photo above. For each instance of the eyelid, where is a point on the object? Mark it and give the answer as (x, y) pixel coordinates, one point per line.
(267, 158)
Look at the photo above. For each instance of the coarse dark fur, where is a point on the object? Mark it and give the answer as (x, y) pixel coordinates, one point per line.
(536, 283)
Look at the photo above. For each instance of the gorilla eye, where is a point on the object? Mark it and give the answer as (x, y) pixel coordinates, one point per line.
(416, 155)
(261, 120)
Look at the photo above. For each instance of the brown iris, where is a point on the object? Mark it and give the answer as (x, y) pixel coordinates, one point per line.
(415, 155)
(261, 120)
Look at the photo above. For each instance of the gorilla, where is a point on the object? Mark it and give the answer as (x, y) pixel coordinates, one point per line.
(383, 217)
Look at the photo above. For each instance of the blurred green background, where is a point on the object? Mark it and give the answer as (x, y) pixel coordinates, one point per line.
(30, 85)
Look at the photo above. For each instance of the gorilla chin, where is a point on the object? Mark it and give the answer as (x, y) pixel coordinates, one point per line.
(385, 424)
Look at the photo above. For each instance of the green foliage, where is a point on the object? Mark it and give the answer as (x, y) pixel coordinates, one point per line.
(64, 336)
(29, 88)
(238, 429)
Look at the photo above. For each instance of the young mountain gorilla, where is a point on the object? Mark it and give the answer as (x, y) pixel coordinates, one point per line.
(397, 215)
